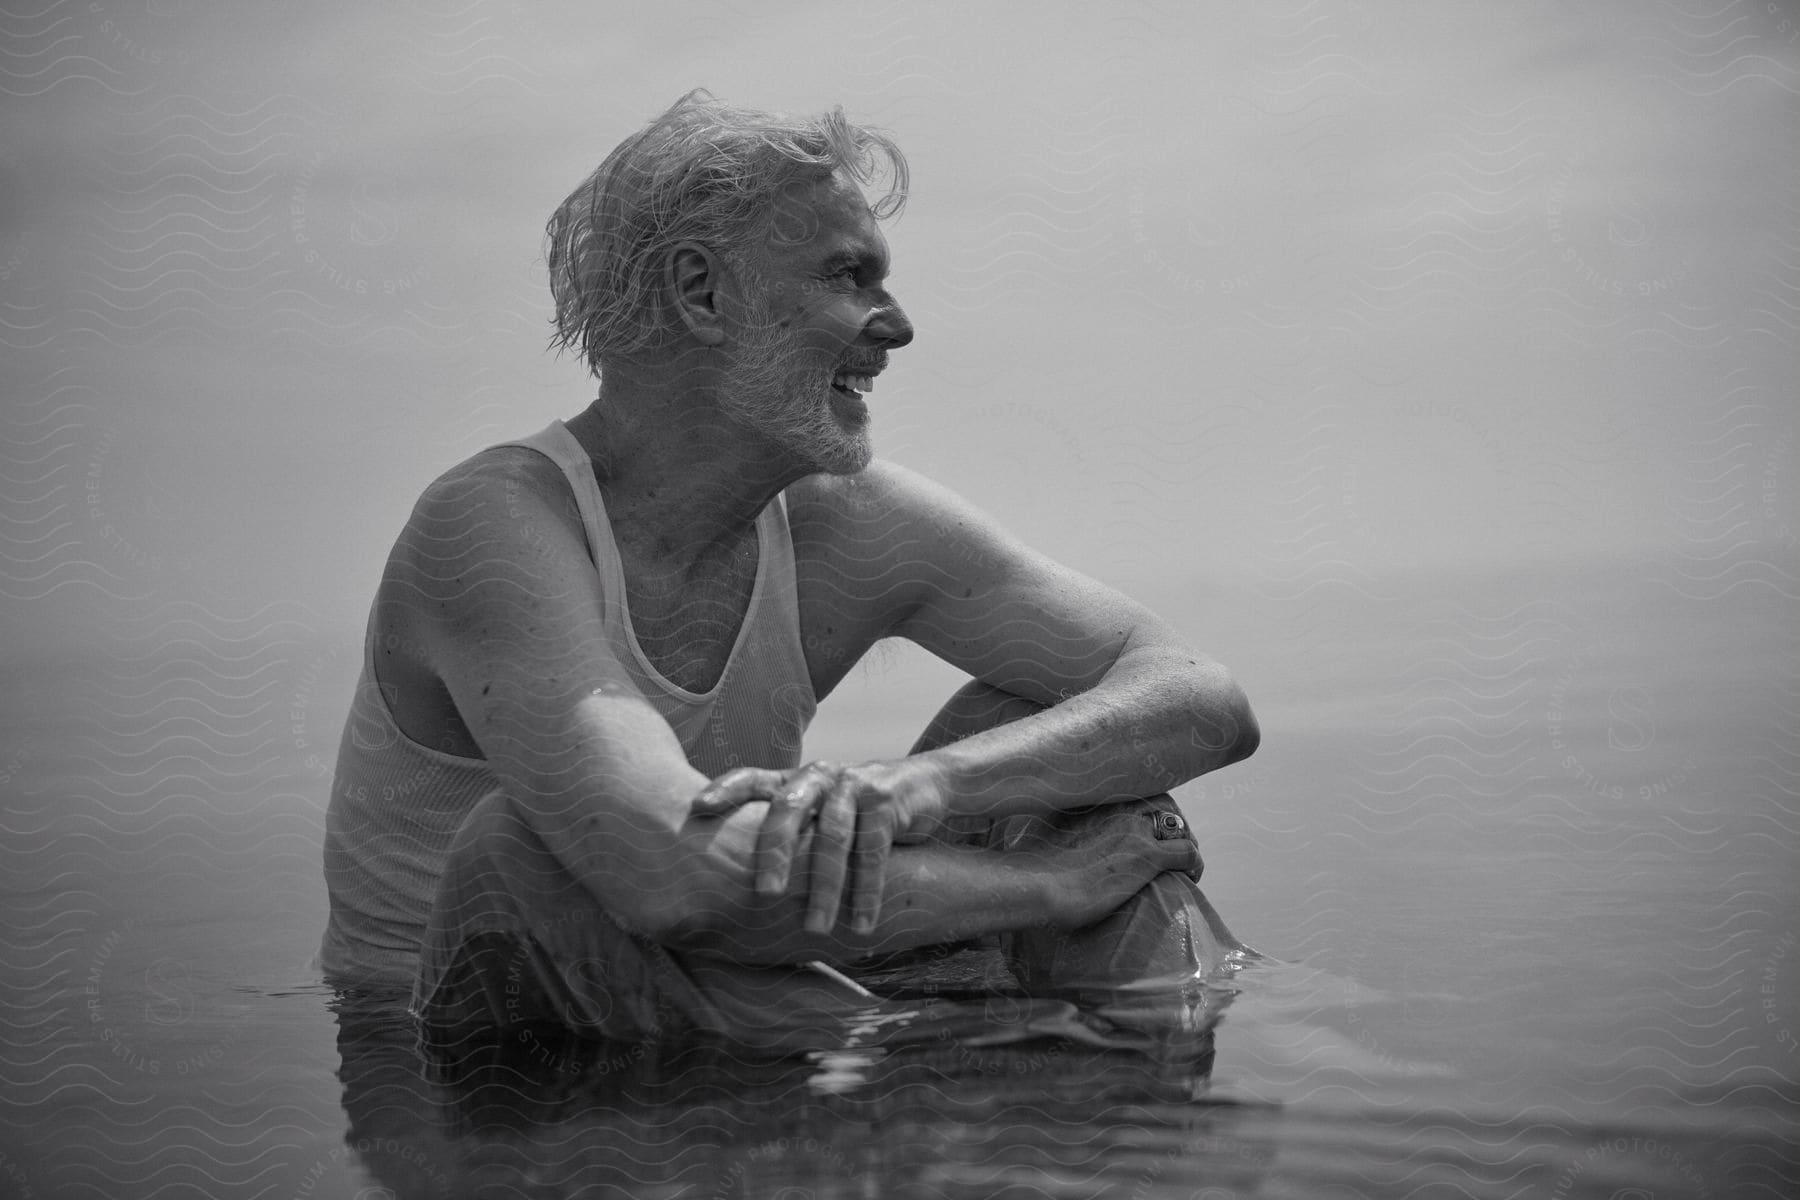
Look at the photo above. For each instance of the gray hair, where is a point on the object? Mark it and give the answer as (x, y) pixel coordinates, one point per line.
(703, 171)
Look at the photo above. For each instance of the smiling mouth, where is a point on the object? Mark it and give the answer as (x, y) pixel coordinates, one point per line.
(851, 383)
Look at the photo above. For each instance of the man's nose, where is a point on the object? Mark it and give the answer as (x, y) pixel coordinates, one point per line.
(889, 326)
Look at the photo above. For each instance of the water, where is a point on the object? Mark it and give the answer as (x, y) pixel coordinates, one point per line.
(1520, 849)
(1292, 293)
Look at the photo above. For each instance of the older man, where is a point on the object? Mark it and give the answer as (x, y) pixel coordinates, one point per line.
(570, 788)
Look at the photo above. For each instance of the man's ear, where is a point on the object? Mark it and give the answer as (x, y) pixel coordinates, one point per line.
(695, 274)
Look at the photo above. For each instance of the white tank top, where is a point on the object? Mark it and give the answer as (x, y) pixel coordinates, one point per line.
(396, 804)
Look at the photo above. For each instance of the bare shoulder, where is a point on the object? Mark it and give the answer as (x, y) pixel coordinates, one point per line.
(501, 495)
(890, 553)
(472, 528)
(866, 556)
(883, 508)
(504, 514)
(511, 476)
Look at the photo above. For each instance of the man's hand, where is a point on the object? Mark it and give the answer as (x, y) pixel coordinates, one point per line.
(858, 810)
(1119, 849)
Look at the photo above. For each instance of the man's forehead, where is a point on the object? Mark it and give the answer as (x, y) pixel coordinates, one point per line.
(825, 217)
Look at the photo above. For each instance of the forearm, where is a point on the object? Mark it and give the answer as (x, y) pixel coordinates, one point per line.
(1156, 720)
(932, 893)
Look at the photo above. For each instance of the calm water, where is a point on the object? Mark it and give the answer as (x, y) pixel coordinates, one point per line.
(1521, 850)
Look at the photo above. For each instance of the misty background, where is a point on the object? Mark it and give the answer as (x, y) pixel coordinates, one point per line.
(1431, 364)
(1205, 298)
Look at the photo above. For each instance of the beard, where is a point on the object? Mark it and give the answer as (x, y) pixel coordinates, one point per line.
(780, 393)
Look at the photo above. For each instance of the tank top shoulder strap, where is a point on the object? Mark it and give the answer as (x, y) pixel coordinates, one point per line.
(557, 444)
(777, 539)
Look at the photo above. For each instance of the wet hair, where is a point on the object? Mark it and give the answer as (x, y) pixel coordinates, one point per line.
(704, 171)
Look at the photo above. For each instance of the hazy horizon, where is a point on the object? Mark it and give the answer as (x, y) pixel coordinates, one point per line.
(1429, 363)
(1269, 299)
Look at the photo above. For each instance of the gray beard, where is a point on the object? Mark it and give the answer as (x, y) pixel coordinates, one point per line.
(775, 394)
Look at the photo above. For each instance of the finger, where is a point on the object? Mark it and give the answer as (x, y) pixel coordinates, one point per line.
(1174, 833)
(874, 839)
(1197, 865)
(832, 842)
(789, 811)
(733, 790)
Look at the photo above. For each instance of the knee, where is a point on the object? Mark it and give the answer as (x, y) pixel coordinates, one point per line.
(493, 816)
(975, 706)
(499, 872)
(494, 835)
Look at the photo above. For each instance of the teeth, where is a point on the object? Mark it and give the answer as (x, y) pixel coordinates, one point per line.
(854, 383)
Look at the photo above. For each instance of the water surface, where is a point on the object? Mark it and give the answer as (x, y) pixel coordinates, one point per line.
(1520, 850)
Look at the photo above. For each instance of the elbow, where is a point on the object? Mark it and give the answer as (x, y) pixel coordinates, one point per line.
(655, 903)
(702, 894)
(1249, 732)
(1224, 723)
(676, 919)
(649, 916)
(667, 924)
(694, 913)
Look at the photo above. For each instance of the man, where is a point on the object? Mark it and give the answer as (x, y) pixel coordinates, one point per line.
(570, 788)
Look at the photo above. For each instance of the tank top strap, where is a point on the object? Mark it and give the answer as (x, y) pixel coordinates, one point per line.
(563, 448)
(763, 700)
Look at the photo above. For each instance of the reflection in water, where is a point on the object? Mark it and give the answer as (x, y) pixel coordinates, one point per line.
(938, 1096)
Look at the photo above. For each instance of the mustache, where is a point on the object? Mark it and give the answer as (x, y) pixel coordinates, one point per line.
(866, 366)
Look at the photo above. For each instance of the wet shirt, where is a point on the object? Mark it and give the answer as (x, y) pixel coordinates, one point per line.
(396, 804)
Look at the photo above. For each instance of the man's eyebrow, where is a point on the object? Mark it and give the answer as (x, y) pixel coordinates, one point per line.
(867, 261)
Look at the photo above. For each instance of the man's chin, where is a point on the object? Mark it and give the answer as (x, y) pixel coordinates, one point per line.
(848, 458)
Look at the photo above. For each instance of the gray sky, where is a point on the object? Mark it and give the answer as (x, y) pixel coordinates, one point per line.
(1275, 295)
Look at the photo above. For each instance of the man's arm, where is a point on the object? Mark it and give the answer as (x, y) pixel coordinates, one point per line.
(509, 609)
(1131, 709)
(931, 892)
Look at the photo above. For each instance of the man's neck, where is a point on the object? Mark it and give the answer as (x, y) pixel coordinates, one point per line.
(680, 481)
